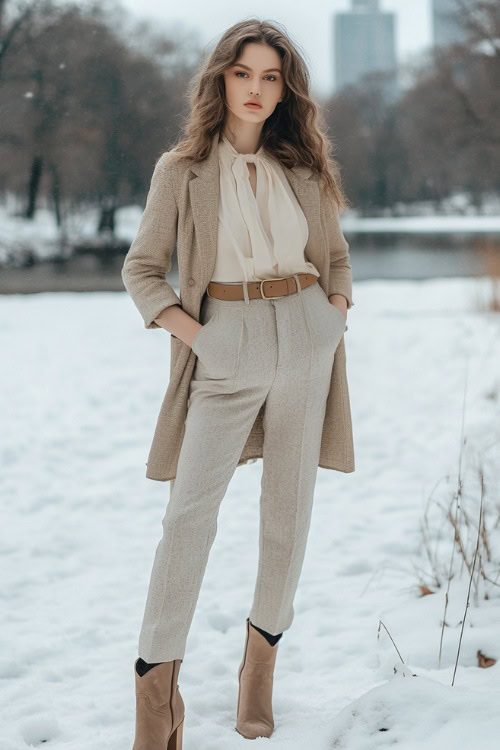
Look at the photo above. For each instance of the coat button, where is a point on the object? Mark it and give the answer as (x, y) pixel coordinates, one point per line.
(191, 281)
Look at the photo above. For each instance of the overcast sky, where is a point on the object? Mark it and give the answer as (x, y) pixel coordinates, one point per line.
(310, 23)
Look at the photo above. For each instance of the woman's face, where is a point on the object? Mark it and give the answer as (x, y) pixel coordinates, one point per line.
(256, 76)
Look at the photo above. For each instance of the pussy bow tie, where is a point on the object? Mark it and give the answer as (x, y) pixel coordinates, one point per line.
(283, 221)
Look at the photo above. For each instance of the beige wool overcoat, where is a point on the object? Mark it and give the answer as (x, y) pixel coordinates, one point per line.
(181, 213)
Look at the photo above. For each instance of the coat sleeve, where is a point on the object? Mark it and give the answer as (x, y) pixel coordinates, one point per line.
(149, 258)
(340, 279)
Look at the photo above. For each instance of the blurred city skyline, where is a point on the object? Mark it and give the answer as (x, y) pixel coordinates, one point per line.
(313, 32)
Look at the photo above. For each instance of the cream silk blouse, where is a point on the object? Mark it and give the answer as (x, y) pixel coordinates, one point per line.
(259, 236)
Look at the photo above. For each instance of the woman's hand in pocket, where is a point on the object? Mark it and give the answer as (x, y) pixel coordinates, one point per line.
(340, 302)
(199, 326)
(179, 323)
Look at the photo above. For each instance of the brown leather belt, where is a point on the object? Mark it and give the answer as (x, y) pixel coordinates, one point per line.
(265, 289)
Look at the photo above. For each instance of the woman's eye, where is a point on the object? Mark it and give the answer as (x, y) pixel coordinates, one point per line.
(242, 73)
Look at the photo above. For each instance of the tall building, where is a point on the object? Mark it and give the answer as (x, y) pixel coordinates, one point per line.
(364, 40)
(445, 28)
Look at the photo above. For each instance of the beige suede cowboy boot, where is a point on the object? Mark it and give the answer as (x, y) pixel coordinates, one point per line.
(255, 677)
(159, 708)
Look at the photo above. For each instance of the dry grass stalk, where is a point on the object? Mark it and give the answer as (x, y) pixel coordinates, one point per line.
(471, 577)
(455, 500)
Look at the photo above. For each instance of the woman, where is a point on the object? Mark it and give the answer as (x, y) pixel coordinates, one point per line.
(250, 199)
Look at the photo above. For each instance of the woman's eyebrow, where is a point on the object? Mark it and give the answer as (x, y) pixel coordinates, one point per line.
(269, 70)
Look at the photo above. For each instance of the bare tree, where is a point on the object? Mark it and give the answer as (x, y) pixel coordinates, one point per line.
(12, 21)
(481, 20)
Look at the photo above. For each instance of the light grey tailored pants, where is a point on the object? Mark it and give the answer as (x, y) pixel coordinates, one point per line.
(278, 351)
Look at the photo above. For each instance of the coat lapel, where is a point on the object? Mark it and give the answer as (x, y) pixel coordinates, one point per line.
(204, 197)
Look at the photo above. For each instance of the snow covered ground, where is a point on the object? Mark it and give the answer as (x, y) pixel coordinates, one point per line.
(81, 385)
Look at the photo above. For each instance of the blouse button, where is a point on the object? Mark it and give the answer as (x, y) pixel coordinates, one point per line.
(191, 281)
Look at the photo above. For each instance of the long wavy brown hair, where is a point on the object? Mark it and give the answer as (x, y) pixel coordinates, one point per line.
(294, 134)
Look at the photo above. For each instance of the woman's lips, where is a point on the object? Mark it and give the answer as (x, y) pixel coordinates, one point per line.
(254, 106)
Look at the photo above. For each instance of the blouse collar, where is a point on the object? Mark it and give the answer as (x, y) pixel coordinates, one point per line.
(226, 143)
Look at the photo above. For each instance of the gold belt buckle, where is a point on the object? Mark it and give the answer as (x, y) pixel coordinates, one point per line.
(277, 278)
